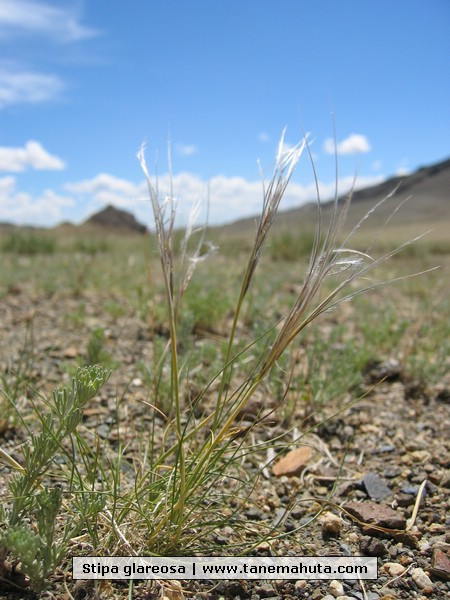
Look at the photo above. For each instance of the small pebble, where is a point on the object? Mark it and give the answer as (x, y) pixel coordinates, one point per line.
(376, 487)
(331, 524)
(393, 569)
(372, 546)
(336, 588)
(421, 579)
(265, 591)
(300, 584)
(420, 456)
(293, 462)
(405, 499)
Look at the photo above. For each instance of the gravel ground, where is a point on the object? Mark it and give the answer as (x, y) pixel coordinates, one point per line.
(376, 457)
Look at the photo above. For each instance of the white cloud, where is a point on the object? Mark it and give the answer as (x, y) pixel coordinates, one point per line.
(18, 86)
(263, 137)
(21, 84)
(22, 208)
(104, 189)
(402, 171)
(186, 149)
(61, 23)
(7, 186)
(32, 155)
(353, 144)
(233, 198)
(230, 198)
(107, 189)
(105, 186)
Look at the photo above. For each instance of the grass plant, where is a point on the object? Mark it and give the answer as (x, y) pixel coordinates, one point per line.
(14, 381)
(189, 478)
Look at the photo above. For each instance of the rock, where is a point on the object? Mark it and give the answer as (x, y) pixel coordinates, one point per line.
(70, 352)
(331, 524)
(440, 565)
(405, 499)
(371, 546)
(353, 538)
(421, 579)
(387, 448)
(420, 456)
(371, 596)
(394, 569)
(387, 370)
(336, 588)
(266, 591)
(376, 488)
(345, 550)
(293, 462)
(376, 514)
(300, 584)
(262, 549)
(410, 538)
(392, 471)
(232, 588)
(254, 514)
(174, 592)
(435, 476)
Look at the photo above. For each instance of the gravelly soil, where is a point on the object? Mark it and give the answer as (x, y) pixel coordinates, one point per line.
(381, 450)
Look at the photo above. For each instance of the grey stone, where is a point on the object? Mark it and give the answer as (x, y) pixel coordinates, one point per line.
(376, 488)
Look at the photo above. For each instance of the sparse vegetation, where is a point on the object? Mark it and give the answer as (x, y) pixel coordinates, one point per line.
(91, 245)
(291, 246)
(29, 244)
(174, 460)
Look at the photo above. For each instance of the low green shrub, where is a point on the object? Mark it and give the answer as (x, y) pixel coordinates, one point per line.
(290, 247)
(29, 244)
(29, 529)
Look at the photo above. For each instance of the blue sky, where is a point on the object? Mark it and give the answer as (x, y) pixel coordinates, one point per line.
(84, 83)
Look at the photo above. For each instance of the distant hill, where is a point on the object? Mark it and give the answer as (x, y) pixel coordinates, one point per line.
(109, 219)
(427, 190)
(113, 218)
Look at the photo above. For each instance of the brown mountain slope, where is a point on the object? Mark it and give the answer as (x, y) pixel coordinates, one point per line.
(427, 190)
